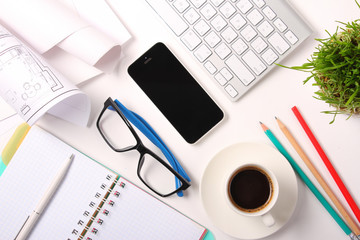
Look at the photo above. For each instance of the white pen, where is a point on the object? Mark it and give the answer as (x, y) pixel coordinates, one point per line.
(31, 220)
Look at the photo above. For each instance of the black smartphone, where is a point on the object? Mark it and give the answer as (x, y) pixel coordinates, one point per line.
(175, 92)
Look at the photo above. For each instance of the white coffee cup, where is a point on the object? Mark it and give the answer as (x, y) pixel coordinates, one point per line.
(252, 191)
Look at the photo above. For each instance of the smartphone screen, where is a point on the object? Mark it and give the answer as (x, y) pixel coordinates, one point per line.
(175, 93)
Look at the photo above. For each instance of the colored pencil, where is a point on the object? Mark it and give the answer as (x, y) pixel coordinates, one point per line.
(308, 182)
(328, 164)
(351, 223)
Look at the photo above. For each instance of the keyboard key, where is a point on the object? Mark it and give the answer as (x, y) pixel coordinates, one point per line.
(197, 3)
(191, 40)
(191, 16)
(181, 5)
(254, 62)
(222, 50)
(202, 53)
(226, 73)
(248, 33)
(244, 6)
(269, 56)
(218, 23)
(231, 90)
(212, 39)
(210, 67)
(202, 27)
(269, 13)
(280, 25)
(229, 34)
(238, 21)
(259, 45)
(259, 3)
(220, 79)
(291, 37)
(239, 46)
(227, 10)
(265, 28)
(217, 2)
(280, 45)
(208, 11)
(239, 69)
(255, 17)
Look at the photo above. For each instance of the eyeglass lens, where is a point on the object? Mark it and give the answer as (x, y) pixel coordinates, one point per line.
(156, 175)
(115, 130)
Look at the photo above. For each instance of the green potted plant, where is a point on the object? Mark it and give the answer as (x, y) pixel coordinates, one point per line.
(335, 67)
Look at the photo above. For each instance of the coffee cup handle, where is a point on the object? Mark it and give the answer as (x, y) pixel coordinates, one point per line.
(268, 219)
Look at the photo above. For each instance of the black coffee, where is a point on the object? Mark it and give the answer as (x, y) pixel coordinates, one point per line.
(250, 189)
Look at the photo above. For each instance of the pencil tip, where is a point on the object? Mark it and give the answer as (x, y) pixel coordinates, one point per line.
(263, 126)
(276, 117)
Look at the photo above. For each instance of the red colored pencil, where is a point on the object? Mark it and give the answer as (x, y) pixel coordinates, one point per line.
(328, 164)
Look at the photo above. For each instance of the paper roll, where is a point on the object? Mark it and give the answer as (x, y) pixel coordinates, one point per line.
(44, 24)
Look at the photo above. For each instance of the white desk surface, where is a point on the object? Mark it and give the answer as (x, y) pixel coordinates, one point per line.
(274, 96)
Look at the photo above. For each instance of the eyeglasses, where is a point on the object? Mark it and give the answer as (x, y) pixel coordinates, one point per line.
(114, 126)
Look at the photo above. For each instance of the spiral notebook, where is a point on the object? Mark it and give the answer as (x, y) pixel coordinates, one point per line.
(92, 202)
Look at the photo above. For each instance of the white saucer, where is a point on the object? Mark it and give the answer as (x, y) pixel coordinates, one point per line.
(213, 197)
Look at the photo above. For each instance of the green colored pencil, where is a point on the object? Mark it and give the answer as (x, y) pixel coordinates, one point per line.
(308, 182)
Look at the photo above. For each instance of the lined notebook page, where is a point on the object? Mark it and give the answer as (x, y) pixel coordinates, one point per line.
(92, 202)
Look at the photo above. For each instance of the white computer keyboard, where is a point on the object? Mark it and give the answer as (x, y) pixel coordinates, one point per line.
(237, 41)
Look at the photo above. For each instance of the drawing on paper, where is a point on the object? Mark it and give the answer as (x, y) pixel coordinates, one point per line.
(16, 60)
(32, 87)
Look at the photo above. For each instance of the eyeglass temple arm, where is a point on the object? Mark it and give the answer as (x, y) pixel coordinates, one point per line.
(162, 144)
(168, 154)
(150, 133)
